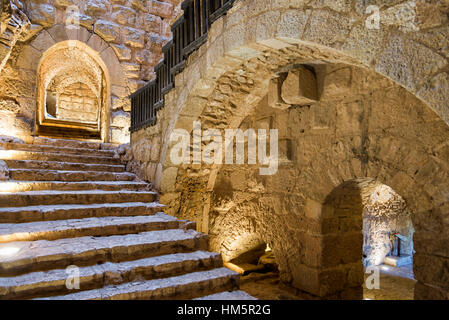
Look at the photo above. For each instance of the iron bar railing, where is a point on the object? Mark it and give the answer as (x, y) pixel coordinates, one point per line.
(189, 33)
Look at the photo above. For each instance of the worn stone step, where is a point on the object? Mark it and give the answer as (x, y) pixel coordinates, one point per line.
(41, 255)
(54, 149)
(46, 156)
(23, 186)
(53, 282)
(33, 198)
(187, 286)
(96, 227)
(66, 166)
(228, 295)
(59, 175)
(77, 211)
(71, 143)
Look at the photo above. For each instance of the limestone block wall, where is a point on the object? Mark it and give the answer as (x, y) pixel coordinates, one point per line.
(387, 123)
(77, 102)
(384, 214)
(331, 140)
(128, 36)
(136, 29)
(14, 25)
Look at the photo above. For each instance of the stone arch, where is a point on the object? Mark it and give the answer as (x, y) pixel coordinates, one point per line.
(95, 75)
(229, 76)
(60, 36)
(341, 250)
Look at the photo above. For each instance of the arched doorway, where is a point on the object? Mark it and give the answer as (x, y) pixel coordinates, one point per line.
(368, 224)
(73, 93)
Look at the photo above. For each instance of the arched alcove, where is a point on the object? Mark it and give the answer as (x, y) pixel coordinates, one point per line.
(72, 92)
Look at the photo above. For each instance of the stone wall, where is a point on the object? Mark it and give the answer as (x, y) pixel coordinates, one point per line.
(77, 102)
(387, 123)
(136, 30)
(128, 35)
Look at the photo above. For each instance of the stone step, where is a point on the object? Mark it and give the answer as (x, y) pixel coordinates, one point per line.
(30, 256)
(57, 175)
(33, 198)
(73, 143)
(53, 149)
(46, 156)
(66, 166)
(228, 295)
(95, 227)
(23, 186)
(77, 211)
(187, 286)
(53, 282)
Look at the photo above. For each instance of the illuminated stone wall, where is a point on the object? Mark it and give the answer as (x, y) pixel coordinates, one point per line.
(77, 102)
(384, 213)
(128, 35)
(388, 123)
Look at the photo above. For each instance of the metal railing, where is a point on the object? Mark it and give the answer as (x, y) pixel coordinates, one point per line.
(189, 33)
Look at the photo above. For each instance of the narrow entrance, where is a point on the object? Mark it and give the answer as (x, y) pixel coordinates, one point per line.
(72, 93)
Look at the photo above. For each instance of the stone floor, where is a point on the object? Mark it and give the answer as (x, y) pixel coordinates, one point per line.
(266, 287)
(395, 284)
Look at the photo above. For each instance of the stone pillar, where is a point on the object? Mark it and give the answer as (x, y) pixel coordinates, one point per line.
(338, 272)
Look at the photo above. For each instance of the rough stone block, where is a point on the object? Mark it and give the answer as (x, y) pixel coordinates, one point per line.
(292, 23)
(337, 82)
(342, 249)
(300, 87)
(97, 43)
(134, 37)
(121, 119)
(109, 31)
(96, 7)
(123, 52)
(115, 69)
(429, 292)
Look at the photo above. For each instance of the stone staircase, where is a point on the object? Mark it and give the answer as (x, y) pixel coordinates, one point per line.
(13, 24)
(71, 203)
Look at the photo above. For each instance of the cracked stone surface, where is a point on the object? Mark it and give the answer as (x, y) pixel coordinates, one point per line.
(105, 222)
